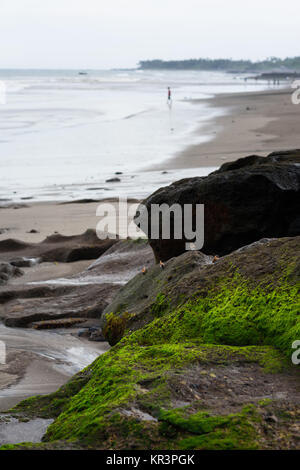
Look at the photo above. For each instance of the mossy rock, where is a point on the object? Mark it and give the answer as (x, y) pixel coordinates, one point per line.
(213, 371)
(194, 274)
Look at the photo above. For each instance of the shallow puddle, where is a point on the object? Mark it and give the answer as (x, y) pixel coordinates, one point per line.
(13, 431)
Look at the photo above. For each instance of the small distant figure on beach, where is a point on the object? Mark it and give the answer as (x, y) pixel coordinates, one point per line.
(169, 101)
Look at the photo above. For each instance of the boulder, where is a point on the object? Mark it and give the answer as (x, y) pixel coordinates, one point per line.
(60, 248)
(218, 372)
(7, 271)
(22, 262)
(159, 291)
(97, 336)
(244, 201)
(92, 334)
(83, 295)
(113, 180)
(213, 371)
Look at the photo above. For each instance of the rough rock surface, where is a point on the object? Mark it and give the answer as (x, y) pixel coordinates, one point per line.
(212, 371)
(7, 271)
(57, 248)
(246, 200)
(83, 295)
(147, 296)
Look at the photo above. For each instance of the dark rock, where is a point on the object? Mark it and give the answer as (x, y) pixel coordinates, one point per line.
(271, 418)
(245, 200)
(79, 201)
(97, 336)
(23, 262)
(83, 333)
(92, 333)
(20, 206)
(57, 323)
(113, 180)
(48, 303)
(11, 205)
(58, 248)
(7, 271)
(85, 295)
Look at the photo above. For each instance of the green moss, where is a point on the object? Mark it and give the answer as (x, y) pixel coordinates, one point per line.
(233, 314)
(161, 305)
(234, 323)
(115, 327)
(265, 402)
(118, 378)
(234, 431)
(138, 241)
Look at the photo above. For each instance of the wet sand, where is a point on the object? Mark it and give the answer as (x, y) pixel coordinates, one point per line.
(255, 123)
(49, 271)
(39, 362)
(49, 218)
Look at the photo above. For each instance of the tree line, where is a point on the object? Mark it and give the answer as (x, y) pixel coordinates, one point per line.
(229, 65)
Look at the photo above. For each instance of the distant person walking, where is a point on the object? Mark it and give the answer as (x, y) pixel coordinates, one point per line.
(169, 103)
(169, 96)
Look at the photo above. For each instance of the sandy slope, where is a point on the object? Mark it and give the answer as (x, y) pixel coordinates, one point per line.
(256, 122)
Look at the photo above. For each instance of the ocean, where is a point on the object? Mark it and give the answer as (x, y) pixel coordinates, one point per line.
(64, 133)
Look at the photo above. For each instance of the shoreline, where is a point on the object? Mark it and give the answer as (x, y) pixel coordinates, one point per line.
(206, 146)
(261, 122)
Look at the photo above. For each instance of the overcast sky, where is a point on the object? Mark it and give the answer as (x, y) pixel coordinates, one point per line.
(119, 33)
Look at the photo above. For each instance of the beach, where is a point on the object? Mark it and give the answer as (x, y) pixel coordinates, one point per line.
(258, 122)
(255, 123)
(66, 137)
(149, 228)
